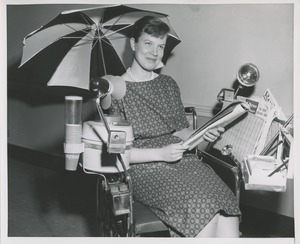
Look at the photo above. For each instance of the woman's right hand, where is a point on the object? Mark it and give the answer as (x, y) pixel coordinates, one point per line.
(173, 152)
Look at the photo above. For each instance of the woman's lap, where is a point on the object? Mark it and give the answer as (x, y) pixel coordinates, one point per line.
(186, 194)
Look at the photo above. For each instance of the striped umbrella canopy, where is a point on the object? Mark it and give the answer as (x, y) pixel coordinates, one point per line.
(86, 43)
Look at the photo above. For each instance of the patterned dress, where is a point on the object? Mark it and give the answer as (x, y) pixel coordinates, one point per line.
(185, 194)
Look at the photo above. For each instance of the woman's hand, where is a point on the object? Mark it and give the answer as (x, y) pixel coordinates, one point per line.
(213, 134)
(173, 152)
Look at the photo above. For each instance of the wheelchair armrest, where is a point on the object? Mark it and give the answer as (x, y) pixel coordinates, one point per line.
(218, 165)
(211, 158)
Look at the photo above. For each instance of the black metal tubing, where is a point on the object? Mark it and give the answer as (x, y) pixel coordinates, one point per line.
(234, 169)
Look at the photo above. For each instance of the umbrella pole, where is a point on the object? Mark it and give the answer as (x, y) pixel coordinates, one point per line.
(101, 51)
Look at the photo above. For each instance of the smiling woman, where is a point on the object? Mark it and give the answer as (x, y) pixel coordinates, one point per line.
(182, 191)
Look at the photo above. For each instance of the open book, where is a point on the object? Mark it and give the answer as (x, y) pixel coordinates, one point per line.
(227, 115)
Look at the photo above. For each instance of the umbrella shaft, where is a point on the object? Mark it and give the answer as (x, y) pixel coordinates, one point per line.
(101, 51)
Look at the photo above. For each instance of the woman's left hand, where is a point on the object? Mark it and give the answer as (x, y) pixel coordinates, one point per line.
(213, 134)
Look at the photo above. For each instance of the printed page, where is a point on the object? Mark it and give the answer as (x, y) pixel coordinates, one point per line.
(221, 119)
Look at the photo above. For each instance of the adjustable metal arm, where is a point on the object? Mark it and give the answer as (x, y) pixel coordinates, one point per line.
(98, 99)
(127, 175)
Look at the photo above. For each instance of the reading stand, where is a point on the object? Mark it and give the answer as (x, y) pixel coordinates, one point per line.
(243, 136)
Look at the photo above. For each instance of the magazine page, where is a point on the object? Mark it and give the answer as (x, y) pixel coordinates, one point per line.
(230, 113)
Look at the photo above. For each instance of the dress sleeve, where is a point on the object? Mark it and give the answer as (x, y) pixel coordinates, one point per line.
(180, 116)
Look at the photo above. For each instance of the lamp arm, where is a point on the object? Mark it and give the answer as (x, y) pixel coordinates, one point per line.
(101, 112)
(237, 90)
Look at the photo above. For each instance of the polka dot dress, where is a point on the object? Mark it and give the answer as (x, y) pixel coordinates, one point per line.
(185, 194)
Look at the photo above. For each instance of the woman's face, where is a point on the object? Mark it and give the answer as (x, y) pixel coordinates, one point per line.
(149, 50)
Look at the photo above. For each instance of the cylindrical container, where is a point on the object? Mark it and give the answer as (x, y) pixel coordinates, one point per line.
(71, 161)
(73, 130)
(95, 157)
(73, 109)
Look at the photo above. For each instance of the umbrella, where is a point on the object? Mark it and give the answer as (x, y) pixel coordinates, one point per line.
(87, 43)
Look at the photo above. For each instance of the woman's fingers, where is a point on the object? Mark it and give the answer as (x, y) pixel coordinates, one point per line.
(213, 134)
(174, 152)
(208, 138)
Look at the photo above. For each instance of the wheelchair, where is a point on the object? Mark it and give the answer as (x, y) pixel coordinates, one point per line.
(118, 214)
(102, 148)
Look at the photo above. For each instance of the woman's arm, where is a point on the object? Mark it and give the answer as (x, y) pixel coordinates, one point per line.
(172, 152)
(169, 153)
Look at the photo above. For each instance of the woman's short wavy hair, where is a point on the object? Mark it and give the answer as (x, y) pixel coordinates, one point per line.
(150, 25)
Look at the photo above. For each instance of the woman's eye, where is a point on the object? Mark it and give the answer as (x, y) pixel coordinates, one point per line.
(161, 47)
(148, 44)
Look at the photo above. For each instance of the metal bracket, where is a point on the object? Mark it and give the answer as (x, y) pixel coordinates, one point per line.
(116, 141)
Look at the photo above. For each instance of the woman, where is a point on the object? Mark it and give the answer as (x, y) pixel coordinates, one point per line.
(186, 194)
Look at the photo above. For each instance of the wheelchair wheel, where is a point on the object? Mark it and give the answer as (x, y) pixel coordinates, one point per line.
(108, 224)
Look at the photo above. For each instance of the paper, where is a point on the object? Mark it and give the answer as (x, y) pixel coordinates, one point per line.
(257, 174)
(227, 115)
(265, 108)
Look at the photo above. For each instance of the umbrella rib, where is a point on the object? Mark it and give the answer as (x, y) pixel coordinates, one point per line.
(88, 40)
(84, 31)
(113, 32)
(72, 37)
(105, 34)
(84, 43)
(72, 28)
(116, 21)
(103, 40)
(95, 43)
(86, 24)
(99, 36)
(85, 18)
(98, 39)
